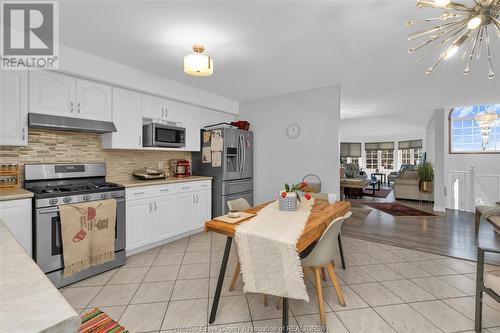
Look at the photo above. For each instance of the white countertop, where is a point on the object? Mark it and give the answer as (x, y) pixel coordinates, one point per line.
(29, 302)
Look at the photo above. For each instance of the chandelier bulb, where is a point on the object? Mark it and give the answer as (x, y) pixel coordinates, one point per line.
(429, 70)
(467, 70)
(491, 75)
(410, 22)
(474, 22)
(442, 2)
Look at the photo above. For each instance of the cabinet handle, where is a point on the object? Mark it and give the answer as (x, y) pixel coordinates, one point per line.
(165, 190)
(78, 110)
(155, 206)
(24, 133)
(140, 141)
(162, 112)
(137, 193)
(71, 104)
(150, 207)
(185, 187)
(194, 199)
(197, 198)
(166, 112)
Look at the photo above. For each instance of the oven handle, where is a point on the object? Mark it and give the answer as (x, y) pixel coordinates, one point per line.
(48, 211)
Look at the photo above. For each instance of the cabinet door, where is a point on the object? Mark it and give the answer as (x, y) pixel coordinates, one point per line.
(93, 100)
(139, 223)
(165, 216)
(191, 121)
(127, 119)
(52, 93)
(203, 208)
(16, 214)
(13, 108)
(173, 110)
(210, 117)
(153, 107)
(186, 213)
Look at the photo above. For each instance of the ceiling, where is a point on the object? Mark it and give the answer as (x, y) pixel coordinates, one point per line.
(264, 48)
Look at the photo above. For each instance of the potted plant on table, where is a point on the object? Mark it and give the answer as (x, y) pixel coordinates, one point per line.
(425, 176)
(289, 196)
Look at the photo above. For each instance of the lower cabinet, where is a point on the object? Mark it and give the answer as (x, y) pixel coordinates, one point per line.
(153, 217)
(16, 215)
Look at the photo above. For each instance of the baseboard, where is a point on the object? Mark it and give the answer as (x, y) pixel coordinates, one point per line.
(439, 209)
(163, 241)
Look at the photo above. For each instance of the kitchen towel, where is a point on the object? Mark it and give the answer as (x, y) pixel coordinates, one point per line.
(88, 234)
(266, 247)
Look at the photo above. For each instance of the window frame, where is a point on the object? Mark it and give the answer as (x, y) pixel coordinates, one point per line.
(451, 152)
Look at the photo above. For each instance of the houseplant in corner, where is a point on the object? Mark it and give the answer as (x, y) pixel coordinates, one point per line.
(425, 176)
(289, 197)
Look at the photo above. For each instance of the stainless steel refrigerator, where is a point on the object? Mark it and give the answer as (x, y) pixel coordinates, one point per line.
(234, 177)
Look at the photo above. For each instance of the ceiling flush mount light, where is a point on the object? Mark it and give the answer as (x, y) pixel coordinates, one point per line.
(198, 64)
(485, 120)
(458, 25)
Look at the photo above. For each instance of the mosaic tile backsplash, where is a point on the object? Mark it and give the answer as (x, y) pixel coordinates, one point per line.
(70, 147)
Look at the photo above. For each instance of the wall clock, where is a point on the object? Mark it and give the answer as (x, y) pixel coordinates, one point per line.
(293, 131)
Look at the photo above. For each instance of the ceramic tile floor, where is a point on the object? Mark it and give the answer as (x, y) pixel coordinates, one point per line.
(386, 288)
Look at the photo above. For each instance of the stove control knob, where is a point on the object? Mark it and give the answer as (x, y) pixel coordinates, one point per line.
(67, 199)
(86, 197)
(104, 196)
(53, 201)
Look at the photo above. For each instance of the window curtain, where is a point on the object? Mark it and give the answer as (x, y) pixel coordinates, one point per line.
(379, 146)
(410, 144)
(350, 149)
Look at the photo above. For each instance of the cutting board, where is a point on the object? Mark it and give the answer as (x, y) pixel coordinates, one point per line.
(233, 220)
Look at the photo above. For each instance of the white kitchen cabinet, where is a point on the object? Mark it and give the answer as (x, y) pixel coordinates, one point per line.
(165, 215)
(186, 216)
(127, 119)
(13, 108)
(139, 223)
(191, 121)
(161, 109)
(210, 117)
(52, 93)
(57, 94)
(161, 212)
(93, 100)
(16, 214)
(203, 208)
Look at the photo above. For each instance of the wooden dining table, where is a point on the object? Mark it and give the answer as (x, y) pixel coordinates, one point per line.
(322, 214)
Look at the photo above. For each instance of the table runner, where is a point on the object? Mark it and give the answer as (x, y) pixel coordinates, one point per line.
(266, 247)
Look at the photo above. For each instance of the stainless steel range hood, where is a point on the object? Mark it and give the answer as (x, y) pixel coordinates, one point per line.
(59, 123)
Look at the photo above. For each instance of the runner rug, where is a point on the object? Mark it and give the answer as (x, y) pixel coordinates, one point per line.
(97, 321)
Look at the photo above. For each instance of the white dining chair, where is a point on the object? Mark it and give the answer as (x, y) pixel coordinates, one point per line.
(321, 256)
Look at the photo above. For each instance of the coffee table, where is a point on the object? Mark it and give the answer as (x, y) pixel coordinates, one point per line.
(353, 183)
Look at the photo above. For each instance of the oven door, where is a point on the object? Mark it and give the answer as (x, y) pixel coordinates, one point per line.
(169, 136)
(48, 242)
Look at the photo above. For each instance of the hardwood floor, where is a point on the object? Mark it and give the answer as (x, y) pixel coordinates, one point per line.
(450, 234)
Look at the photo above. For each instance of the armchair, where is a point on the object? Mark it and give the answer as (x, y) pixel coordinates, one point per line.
(487, 283)
(351, 170)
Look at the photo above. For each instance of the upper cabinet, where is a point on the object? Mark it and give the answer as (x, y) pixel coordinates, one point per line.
(191, 121)
(13, 108)
(127, 119)
(61, 95)
(161, 109)
(209, 117)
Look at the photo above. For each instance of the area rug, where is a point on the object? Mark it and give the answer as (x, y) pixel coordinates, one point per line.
(382, 193)
(396, 209)
(97, 321)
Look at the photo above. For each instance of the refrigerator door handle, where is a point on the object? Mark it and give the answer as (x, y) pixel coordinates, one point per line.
(243, 150)
(240, 155)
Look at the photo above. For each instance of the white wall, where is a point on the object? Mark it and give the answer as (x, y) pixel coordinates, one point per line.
(278, 159)
(80, 63)
(434, 147)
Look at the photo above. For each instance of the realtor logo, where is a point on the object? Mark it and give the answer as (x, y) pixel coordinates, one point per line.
(29, 35)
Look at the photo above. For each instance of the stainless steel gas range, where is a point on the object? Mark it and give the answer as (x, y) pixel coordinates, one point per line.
(59, 184)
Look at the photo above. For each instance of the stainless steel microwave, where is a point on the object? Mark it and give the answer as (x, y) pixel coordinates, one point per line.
(162, 135)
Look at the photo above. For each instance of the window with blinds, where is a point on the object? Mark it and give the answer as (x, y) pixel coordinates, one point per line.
(409, 151)
(379, 155)
(350, 152)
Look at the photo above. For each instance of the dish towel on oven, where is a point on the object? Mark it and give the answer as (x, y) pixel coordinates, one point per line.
(266, 247)
(88, 234)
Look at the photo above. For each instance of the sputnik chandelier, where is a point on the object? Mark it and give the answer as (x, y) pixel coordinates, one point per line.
(458, 26)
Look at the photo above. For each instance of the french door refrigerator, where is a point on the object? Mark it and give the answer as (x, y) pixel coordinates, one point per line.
(233, 178)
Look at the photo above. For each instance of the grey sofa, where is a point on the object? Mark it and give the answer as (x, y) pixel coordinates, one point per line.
(351, 170)
(406, 186)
